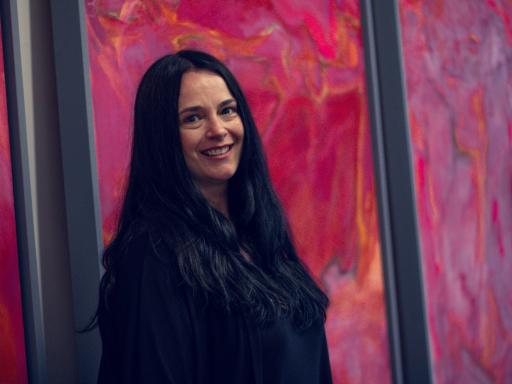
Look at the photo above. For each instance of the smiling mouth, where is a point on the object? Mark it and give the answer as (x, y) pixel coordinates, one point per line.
(217, 151)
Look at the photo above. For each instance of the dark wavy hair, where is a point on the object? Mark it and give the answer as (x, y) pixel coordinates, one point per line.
(161, 199)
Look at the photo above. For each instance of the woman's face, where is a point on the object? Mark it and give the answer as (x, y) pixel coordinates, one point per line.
(211, 129)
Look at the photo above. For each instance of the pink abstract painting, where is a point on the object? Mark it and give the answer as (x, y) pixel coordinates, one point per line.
(12, 342)
(458, 67)
(301, 66)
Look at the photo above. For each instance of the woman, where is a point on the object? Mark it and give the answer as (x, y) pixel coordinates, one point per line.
(202, 282)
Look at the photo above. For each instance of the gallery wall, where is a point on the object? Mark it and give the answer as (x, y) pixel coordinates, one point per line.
(302, 68)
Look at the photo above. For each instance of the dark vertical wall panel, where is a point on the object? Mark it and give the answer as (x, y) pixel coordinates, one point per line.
(79, 171)
(30, 274)
(391, 142)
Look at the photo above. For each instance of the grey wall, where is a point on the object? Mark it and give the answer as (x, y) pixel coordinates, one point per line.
(37, 70)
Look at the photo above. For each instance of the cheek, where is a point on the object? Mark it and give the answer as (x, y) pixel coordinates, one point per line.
(241, 138)
(187, 143)
(238, 131)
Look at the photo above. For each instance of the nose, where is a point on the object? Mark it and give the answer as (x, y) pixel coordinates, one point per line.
(216, 128)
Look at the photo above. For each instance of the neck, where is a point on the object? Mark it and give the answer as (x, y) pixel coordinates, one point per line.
(217, 196)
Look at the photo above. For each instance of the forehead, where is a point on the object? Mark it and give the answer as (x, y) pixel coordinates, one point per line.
(202, 86)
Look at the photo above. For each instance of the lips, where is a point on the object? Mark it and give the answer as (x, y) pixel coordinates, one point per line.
(217, 151)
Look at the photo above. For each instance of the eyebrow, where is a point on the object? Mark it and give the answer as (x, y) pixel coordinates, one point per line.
(196, 108)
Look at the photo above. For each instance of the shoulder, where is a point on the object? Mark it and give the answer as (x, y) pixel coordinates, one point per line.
(147, 281)
(147, 256)
(149, 330)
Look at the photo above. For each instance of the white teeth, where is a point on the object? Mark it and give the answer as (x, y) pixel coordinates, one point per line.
(217, 151)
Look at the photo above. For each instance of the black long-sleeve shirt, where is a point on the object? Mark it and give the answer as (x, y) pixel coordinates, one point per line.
(157, 331)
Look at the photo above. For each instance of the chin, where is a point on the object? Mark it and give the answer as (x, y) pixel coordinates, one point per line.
(215, 179)
(222, 175)
(222, 178)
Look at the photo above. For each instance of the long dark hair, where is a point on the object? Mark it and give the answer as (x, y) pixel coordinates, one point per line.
(162, 200)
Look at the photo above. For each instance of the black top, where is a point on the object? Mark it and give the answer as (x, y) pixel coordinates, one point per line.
(157, 331)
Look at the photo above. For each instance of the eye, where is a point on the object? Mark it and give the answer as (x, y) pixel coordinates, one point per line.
(228, 111)
(190, 119)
